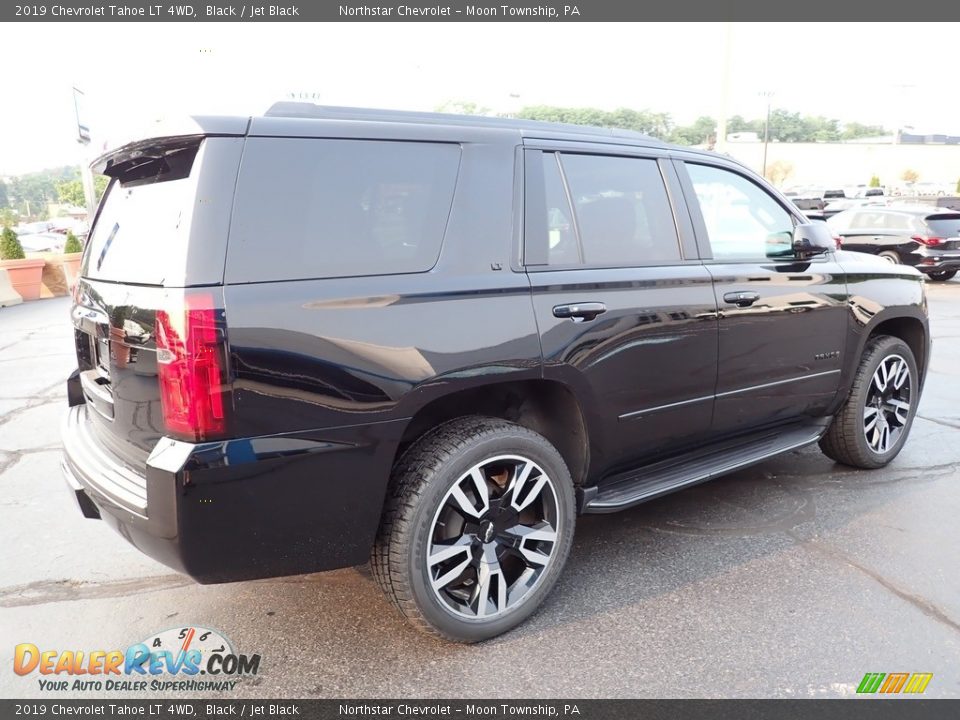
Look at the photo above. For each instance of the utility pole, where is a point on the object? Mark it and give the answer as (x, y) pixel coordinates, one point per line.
(721, 144)
(766, 94)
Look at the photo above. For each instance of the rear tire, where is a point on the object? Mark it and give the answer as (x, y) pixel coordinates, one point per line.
(870, 429)
(890, 256)
(942, 275)
(476, 529)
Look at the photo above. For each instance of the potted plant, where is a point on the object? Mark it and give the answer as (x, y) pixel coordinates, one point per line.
(25, 273)
(72, 253)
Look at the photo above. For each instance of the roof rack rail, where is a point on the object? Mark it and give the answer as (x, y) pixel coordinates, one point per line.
(291, 109)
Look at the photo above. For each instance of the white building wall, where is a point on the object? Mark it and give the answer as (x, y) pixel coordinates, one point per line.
(839, 164)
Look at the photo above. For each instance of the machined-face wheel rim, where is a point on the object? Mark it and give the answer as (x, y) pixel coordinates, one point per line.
(887, 408)
(493, 537)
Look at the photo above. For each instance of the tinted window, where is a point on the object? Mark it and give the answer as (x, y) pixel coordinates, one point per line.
(842, 221)
(882, 220)
(743, 221)
(336, 208)
(944, 226)
(622, 210)
(562, 245)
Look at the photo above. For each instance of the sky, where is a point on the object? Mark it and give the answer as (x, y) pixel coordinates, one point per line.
(134, 74)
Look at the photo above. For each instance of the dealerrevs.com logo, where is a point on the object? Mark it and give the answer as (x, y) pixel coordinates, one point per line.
(190, 659)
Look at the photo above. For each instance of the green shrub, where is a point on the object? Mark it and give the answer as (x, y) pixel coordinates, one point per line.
(874, 181)
(73, 244)
(10, 247)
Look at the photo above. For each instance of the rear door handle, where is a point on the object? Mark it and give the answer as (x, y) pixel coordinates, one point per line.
(579, 312)
(741, 298)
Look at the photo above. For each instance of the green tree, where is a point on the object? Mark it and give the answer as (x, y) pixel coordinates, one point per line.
(71, 193)
(736, 124)
(100, 183)
(10, 247)
(462, 107)
(874, 181)
(8, 218)
(853, 130)
(658, 125)
(72, 245)
(703, 130)
(4, 199)
(30, 193)
(821, 129)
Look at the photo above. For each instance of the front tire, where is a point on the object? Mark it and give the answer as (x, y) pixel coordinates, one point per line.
(870, 429)
(476, 529)
(942, 275)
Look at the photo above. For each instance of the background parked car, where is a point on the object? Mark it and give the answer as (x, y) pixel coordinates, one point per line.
(922, 236)
(43, 242)
(838, 206)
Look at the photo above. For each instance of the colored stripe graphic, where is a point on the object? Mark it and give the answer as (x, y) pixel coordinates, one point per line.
(870, 682)
(894, 683)
(918, 682)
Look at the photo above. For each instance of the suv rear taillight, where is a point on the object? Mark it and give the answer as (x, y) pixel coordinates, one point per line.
(190, 368)
(928, 241)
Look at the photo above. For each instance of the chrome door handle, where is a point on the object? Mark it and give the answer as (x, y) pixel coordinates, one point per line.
(580, 312)
(741, 298)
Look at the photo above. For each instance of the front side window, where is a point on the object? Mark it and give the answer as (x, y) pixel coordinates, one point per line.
(743, 221)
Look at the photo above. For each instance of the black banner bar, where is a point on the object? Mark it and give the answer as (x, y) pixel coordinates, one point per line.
(855, 11)
(856, 708)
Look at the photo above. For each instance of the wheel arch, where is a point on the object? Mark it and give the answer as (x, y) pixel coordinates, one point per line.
(547, 407)
(908, 323)
(912, 330)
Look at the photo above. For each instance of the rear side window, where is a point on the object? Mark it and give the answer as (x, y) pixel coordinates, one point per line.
(944, 226)
(620, 214)
(309, 208)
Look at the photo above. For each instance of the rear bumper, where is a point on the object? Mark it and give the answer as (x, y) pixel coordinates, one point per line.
(240, 509)
(929, 260)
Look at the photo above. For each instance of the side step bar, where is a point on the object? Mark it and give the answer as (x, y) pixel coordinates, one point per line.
(637, 486)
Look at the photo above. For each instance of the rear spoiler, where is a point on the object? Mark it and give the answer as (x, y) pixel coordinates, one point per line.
(183, 131)
(150, 161)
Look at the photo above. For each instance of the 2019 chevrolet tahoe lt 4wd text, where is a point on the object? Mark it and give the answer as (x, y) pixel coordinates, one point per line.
(328, 335)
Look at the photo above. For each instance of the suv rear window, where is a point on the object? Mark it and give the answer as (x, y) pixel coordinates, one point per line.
(142, 230)
(944, 226)
(309, 208)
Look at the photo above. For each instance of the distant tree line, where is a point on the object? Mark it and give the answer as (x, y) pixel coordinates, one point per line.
(785, 126)
(28, 195)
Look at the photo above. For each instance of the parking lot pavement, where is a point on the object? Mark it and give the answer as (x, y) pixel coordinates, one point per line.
(793, 578)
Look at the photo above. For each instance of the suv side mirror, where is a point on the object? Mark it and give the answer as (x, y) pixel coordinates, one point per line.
(811, 239)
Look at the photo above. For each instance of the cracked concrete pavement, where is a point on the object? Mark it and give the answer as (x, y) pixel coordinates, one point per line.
(790, 579)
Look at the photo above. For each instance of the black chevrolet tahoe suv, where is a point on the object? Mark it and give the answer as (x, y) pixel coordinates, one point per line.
(328, 335)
